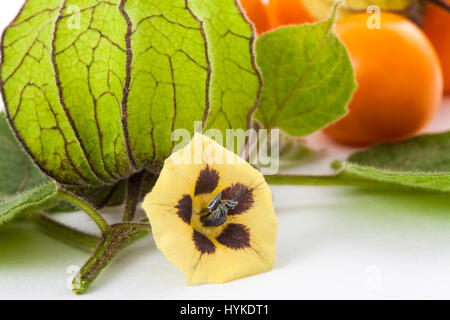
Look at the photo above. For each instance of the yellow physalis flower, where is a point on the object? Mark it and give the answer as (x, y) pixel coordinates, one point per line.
(212, 214)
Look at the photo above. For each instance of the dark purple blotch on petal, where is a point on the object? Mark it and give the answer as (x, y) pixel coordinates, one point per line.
(202, 243)
(240, 193)
(235, 236)
(185, 209)
(207, 181)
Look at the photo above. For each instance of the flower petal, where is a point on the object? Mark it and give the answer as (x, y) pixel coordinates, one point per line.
(202, 243)
(207, 181)
(184, 207)
(243, 246)
(240, 193)
(235, 236)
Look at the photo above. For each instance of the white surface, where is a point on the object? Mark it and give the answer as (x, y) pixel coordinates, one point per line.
(333, 243)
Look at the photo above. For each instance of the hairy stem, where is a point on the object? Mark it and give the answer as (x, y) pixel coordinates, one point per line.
(334, 180)
(83, 205)
(134, 188)
(64, 233)
(115, 239)
(340, 179)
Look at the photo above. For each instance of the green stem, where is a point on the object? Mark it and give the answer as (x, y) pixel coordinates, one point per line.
(134, 189)
(336, 180)
(81, 204)
(64, 233)
(115, 239)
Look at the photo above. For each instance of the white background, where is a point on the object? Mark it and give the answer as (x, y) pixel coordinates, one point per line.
(334, 242)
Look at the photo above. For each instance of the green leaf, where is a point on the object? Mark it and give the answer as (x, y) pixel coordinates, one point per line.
(17, 171)
(308, 78)
(95, 88)
(41, 197)
(422, 162)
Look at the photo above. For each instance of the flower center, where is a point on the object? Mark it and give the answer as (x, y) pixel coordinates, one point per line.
(218, 211)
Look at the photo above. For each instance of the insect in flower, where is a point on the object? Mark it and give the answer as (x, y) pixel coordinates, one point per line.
(214, 220)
